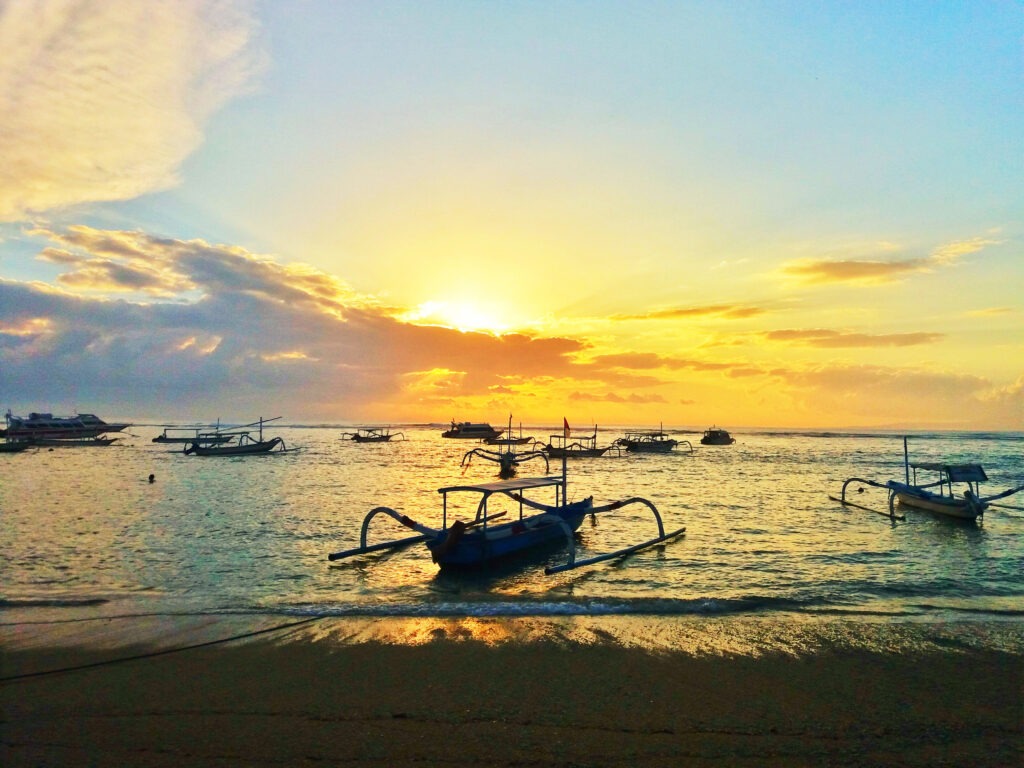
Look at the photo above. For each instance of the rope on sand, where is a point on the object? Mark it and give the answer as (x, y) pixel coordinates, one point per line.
(164, 652)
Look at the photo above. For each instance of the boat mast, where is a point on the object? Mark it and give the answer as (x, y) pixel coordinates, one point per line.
(906, 461)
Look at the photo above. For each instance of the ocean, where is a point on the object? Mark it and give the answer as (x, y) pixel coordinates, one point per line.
(85, 535)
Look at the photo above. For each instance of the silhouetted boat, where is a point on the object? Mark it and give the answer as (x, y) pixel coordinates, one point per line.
(373, 435)
(715, 436)
(652, 441)
(466, 430)
(479, 542)
(245, 446)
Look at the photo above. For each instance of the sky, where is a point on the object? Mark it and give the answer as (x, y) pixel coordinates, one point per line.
(770, 214)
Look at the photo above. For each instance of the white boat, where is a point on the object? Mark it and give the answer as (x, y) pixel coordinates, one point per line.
(46, 425)
(467, 430)
(939, 496)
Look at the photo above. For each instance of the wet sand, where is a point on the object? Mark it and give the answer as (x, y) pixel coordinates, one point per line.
(477, 693)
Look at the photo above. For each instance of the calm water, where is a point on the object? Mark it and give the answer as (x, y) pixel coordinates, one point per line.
(82, 529)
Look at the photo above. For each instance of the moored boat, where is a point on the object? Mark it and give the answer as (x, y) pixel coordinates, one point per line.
(246, 444)
(650, 441)
(570, 446)
(480, 541)
(938, 496)
(467, 430)
(372, 435)
(716, 436)
(207, 434)
(48, 426)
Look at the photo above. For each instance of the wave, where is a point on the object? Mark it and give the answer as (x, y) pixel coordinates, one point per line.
(707, 606)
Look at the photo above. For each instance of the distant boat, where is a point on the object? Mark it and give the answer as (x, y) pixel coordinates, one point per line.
(580, 447)
(74, 442)
(206, 434)
(466, 430)
(715, 436)
(507, 457)
(48, 426)
(651, 441)
(246, 445)
(373, 435)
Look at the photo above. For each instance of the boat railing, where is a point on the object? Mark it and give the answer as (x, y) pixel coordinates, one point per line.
(887, 486)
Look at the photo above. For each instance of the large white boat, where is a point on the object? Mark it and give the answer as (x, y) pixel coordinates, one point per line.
(49, 427)
(467, 430)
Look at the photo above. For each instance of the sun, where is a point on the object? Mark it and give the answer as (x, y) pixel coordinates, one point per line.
(464, 316)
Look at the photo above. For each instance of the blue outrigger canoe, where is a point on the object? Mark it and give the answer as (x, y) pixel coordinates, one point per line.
(480, 541)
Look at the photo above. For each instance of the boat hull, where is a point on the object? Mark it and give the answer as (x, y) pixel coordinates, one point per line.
(942, 505)
(580, 453)
(248, 449)
(656, 446)
(475, 548)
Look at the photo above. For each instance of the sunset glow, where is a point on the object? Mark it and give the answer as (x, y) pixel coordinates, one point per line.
(800, 216)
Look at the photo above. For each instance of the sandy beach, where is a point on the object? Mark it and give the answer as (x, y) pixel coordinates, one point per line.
(453, 693)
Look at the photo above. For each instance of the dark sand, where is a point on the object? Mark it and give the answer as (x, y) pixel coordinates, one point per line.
(323, 695)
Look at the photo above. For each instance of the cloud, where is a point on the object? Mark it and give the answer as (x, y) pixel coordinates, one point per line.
(990, 312)
(104, 100)
(821, 337)
(236, 327)
(614, 397)
(723, 311)
(874, 272)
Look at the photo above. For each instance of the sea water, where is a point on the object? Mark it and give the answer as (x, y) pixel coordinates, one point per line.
(84, 532)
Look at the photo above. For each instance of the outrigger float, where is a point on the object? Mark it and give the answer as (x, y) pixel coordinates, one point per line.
(938, 496)
(480, 541)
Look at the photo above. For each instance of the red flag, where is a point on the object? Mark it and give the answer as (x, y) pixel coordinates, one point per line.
(565, 427)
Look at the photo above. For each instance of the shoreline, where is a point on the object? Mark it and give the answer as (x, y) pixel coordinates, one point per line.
(504, 692)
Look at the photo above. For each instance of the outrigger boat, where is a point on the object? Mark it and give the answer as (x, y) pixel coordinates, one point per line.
(506, 456)
(372, 435)
(650, 441)
(581, 447)
(938, 496)
(197, 434)
(480, 542)
(246, 445)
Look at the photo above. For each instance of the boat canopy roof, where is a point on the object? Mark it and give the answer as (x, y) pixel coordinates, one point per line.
(501, 486)
(957, 473)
